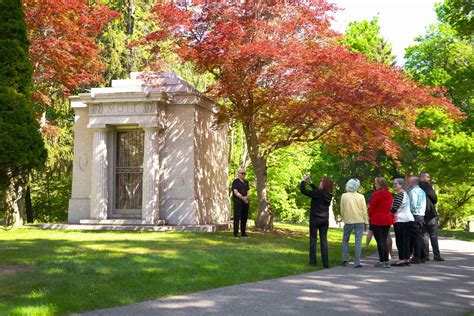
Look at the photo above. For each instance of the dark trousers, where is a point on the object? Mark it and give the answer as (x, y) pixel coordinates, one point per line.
(430, 233)
(241, 213)
(380, 235)
(322, 227)
(402, 238)
(416, 239)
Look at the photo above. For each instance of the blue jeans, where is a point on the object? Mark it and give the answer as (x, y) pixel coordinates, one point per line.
(358, 229)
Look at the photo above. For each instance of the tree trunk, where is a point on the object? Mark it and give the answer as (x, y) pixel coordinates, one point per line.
(28, 207)
(130, 18)
(264, 218)
(244, 155)
(259, 163)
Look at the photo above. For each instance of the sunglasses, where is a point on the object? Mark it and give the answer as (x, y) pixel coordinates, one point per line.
(242, 172)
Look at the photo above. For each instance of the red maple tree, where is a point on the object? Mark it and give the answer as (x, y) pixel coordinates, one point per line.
(279, 68)
(63, 44)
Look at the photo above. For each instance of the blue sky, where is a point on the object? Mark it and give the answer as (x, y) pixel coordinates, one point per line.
(400, 20)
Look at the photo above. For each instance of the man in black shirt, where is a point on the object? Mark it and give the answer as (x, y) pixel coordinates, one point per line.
(240, 191)
(430, 231)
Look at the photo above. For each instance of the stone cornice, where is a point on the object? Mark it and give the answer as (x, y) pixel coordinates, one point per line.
(83, 100)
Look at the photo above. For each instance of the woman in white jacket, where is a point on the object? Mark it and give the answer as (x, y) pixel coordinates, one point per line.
(403, 221)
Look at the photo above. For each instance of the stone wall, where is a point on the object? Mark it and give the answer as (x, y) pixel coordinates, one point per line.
(211, 175)
(81, 185)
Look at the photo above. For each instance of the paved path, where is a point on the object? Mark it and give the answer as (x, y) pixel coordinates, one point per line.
(434, 288)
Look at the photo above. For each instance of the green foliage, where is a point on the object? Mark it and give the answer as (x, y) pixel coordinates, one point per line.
(450, 154)
(50, 198)
(22, 148)
(459, 14)
(441, 58)
(341, 169)
(364, 37)
(286, 168)
(120, 57)
(444, 57)
(457, 234)
(456, 204)
(51, 188)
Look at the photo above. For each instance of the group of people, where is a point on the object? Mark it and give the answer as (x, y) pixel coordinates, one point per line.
(412, 212)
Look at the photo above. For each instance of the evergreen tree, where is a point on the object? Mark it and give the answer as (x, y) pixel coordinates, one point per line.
(22, 147)
(134, 23)
(364, 37)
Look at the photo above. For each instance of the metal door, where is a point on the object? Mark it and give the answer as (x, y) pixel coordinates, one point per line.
(128, 174)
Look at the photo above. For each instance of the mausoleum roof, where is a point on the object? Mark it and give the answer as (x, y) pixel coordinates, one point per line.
(165, 81)
(164, 87)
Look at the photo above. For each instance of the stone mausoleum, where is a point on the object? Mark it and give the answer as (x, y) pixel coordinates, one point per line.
(148, 155)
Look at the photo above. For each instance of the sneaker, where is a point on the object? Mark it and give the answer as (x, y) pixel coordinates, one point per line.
(438, 259)
(379, 264)
(398, 264)
(245, 236)
(386, 264)
(358, 266)
(344, 263)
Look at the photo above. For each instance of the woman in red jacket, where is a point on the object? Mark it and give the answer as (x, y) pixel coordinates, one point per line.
(381, 218)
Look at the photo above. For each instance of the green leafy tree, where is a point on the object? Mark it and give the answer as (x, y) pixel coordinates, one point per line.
(286, 167)
(448, 157)
(364, 37)
(22, 148)
(441, 58)
(116, 41)
(459, 14)
(444, 56)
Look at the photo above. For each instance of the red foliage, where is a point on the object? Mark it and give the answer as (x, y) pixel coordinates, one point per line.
(278, 64)
(63, 48)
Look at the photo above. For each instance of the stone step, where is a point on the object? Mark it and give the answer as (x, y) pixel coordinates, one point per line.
(133, 222)
(155, 228)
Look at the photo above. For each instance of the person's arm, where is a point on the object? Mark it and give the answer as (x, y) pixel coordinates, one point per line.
(374, 203)
(431, 194)
(306, 192)
(238, 195)
(235, 189)
(246, 197)
(397, 202)
(412, 196)
(343, 207)
(364, 207)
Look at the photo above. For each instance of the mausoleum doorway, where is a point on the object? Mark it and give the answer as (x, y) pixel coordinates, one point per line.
(128, 174)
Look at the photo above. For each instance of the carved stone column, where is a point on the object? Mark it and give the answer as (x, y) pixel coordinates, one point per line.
(151, 167)
(99, 175)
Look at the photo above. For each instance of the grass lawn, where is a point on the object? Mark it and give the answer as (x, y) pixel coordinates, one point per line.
(45, 272)
(456, 234)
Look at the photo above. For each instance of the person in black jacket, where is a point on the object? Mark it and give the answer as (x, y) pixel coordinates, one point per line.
(319, 216)
(240, 197)
(430, 231)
